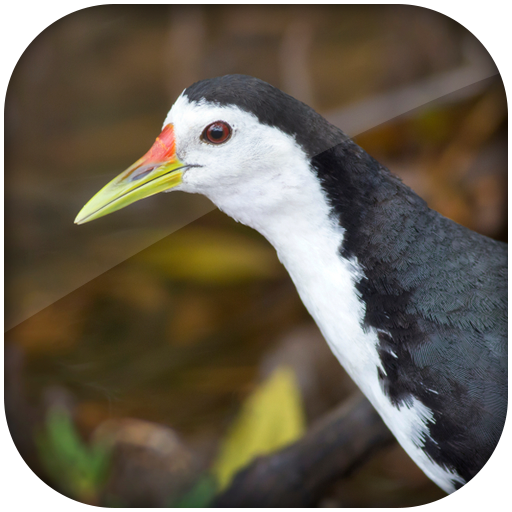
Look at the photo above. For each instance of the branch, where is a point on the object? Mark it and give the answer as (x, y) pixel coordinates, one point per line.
(299, 475)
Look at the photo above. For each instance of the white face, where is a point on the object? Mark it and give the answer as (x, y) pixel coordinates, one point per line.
(256, 169)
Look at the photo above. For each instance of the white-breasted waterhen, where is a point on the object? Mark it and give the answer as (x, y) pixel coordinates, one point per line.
(412, 304)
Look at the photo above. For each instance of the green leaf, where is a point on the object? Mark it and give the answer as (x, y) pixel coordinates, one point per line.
(79, 469)
(201, 495)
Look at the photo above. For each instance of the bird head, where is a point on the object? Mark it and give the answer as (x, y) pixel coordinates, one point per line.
(235, 139)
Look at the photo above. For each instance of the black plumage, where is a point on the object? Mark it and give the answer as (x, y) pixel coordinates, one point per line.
(435, 291)
(437, 294)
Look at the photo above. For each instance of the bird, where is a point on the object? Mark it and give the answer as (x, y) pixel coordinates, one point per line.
(412, 304)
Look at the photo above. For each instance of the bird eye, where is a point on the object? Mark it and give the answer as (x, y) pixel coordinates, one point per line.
(217, 133)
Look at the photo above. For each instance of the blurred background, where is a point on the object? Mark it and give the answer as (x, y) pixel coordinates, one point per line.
(138, 344)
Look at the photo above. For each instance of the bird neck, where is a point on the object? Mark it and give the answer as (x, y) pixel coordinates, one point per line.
(298, 217)
(344, 228)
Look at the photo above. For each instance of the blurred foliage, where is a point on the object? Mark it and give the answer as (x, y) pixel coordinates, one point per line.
(201, 494)
(201, 255)
(271, 418)
(81, 470)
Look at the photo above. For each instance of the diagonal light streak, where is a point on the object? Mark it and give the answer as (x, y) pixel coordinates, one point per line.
(354, 119)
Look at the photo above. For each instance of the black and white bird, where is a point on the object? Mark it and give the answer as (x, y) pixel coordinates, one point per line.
(412, 304)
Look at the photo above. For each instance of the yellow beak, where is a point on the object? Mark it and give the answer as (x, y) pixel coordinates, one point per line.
(158, 170)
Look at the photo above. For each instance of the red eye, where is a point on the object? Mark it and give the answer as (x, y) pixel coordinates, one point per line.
(217, 133)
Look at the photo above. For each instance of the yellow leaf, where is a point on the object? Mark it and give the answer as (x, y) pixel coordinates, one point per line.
(212, 256)
(272, 417)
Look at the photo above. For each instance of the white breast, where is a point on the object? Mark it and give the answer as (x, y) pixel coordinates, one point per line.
(272, 188)
(308, 243)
